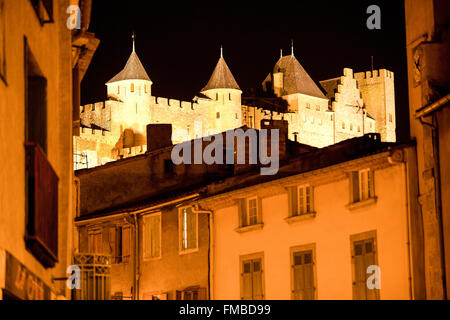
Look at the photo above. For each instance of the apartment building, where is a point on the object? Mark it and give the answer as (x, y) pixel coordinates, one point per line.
(39, 57)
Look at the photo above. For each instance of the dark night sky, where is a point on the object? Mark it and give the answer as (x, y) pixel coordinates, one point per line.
(179, 42)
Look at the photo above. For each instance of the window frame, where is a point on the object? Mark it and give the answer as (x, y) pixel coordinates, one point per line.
(364, 236)
(302, 249)
(145, 234)
(311, 197)
(182, 251)
(252, 257)
(370, 184)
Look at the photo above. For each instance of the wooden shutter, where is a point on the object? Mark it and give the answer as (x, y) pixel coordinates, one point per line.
(371, 177)
(370, 260)
(112, 243)
(242, 212)
(202, 294)
(147, 241)
(246, 281)
(126, 243)
(260, 210)
(359, 265)
(354, 186)
(155, 236)
(191, 229)
(303, 273)
(292, 201)
(257, 275)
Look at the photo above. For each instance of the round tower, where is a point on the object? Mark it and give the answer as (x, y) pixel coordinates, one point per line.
(225, 111)
(131, 91)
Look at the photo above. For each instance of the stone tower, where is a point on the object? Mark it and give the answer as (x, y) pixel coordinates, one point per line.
(132, 87)
(377, 91)
(225, 112)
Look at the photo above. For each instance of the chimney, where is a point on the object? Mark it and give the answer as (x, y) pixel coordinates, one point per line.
(283, 127)
(158, 136)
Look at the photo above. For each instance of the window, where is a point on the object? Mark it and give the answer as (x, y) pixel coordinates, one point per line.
(95, 241)
(2, 41)
(118, 89)
(359, 129)
(302, 273)
(364, 255)
(249, 212)
(300, 200)
(191, 293)
(252, 280)
(362, 186)
(351, 126)
(317, 108)
(237, 117)
(132, 87)
(145, 88)
(218, 115)
(308, 106)
(390, 117)
(119, 244)
(188, 225)
(343, 125)
(152, 236)
(35, 101)
(229, 96)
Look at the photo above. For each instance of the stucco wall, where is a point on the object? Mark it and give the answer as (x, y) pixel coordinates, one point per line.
(51, 47)
(330, 230)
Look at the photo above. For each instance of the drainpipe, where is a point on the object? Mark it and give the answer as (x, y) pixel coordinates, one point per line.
(133, 222)
(393, 160)
(210, 248)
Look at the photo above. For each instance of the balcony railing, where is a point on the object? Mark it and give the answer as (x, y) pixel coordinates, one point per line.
(95, 276)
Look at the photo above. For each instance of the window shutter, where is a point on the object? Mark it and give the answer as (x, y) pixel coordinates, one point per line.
(192, 229)
(98, 242)
(178, 295)
(147, 237)
(247, 292)
(155, 236)
(112, 243)
(309, 281)
(258, 293)
(292, 201)
(359, 284)
(371, 178)
(242, 212)
(354, 186)
(260, 211)
(126, 243)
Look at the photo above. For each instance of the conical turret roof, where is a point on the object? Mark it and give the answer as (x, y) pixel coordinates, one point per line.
(296, 79)
(134, 70)
(221, 78)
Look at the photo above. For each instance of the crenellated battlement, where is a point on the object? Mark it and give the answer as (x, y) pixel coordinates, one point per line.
(376, 74)
(173, 103)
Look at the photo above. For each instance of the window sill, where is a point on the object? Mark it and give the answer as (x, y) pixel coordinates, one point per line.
(149, 259)
(187, 251)
(253, 227)
(361, 204)
(301, 217)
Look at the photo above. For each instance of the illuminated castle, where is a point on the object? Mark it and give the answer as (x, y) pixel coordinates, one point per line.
(345, 107)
